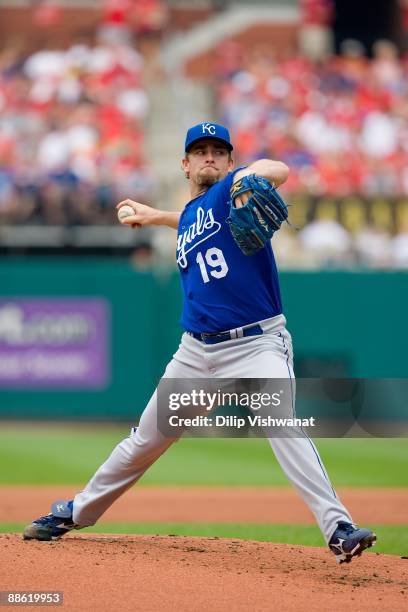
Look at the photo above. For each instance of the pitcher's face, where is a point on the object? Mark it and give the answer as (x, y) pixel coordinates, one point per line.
(207, 162)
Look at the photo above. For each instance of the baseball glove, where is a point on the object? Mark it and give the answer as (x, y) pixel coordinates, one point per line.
(254, 224)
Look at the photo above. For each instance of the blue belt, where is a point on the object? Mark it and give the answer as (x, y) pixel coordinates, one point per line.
(232, 334)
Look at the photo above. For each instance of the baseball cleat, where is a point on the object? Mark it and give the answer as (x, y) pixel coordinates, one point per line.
(349, 541)
(54, 525)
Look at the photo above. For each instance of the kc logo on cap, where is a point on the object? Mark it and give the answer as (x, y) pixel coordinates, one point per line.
(208, 127)
(208, 130)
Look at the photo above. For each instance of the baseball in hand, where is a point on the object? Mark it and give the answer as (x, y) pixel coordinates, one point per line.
(125, 211)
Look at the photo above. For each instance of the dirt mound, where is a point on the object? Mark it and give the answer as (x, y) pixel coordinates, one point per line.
(153, 573)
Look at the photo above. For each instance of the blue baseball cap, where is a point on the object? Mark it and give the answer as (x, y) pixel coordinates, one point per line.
(208, 130)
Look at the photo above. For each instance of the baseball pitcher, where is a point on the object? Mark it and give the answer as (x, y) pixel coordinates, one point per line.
(234, 328)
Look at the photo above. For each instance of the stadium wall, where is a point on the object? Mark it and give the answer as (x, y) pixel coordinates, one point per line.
(122, 324)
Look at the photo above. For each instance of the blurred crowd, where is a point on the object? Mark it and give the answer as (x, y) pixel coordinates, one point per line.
(73, 123)
(71, 132)
(339, 123)
(325, 243)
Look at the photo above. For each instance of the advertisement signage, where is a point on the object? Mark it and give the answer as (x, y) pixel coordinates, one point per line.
(51, 343)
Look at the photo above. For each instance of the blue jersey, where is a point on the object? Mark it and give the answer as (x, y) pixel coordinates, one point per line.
(222, 288)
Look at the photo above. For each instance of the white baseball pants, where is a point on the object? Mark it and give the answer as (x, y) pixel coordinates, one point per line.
(266, 356)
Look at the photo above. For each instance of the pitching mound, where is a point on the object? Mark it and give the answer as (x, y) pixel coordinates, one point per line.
(153, 573)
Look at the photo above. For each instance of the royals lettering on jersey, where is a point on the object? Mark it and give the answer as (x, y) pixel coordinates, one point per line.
(200, 230)
(222, 287)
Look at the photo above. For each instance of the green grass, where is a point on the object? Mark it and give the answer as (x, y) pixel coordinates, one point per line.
(69, 454)
(392, 539)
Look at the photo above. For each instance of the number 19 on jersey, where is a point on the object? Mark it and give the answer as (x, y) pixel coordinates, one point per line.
(213, 262)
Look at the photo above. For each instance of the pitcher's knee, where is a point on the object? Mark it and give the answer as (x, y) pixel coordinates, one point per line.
(136, 448)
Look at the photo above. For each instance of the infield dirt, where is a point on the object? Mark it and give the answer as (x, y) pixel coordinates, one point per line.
(152, 573)
(175, 573)
(209, 504)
